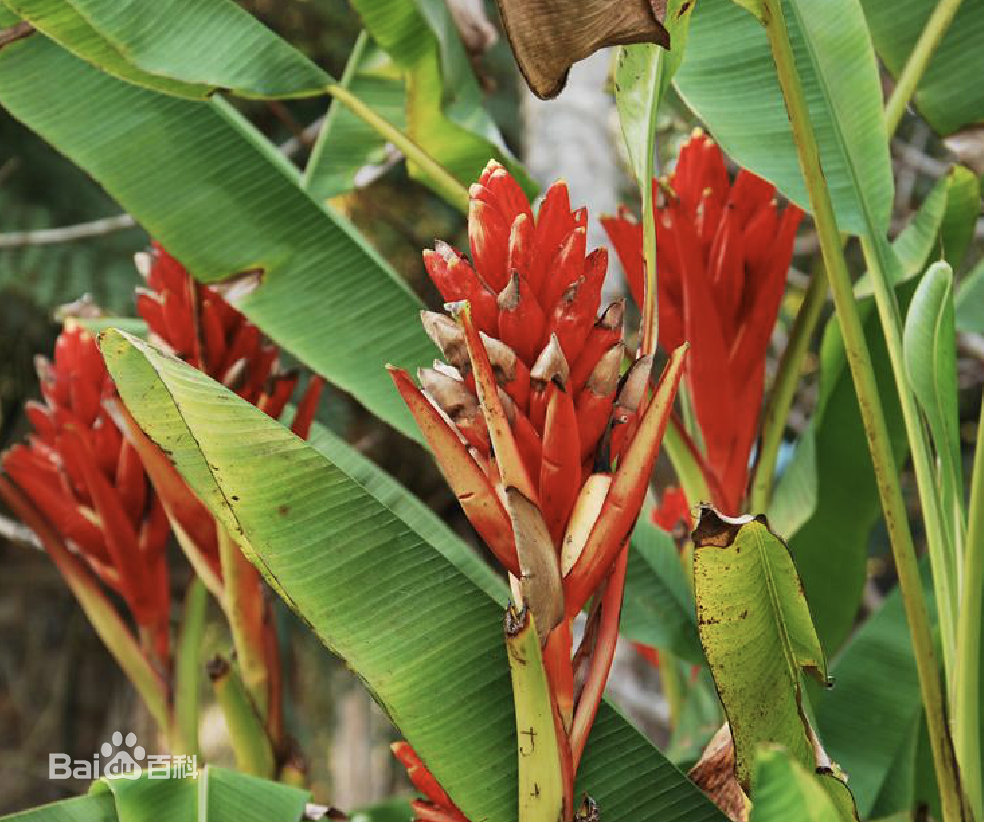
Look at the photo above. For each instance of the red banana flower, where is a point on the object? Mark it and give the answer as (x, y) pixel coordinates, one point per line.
(194, 322)
(529, 412)
(88, 481)
(723, 251)
(88, 471)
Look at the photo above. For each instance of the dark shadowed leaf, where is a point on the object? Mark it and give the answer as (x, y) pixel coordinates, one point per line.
(869, 719)
(658, 609)
(950, 94)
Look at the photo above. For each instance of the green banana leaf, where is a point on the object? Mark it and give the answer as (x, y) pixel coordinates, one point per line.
(832, 561)
(202, 181)
(950, 94)
(830, 478)
(346, 145)
(869, 720)
(728, 78)
(444, 107)
(80, 809)
(929, 345)
(189, 48)
(658, 607)
(758, 636)
(216, 795)
(424, 638)
(785, 790)
(969, 301)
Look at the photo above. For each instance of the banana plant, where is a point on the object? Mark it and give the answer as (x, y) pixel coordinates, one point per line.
(545, 410)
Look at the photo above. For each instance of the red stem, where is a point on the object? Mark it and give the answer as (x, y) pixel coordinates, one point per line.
(601, 658)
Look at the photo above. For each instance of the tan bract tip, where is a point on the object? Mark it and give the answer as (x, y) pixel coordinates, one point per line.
(603, 379)
(614, 315)
(551, 364)
(501, 356)
(508, 298)
(636, 380)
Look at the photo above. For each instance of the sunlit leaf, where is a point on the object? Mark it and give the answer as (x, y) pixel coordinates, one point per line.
(758, 635)
(444, 105)
(423, 636)
(185, 47)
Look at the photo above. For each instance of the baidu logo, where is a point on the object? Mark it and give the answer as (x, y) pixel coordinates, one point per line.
(122, 765)
(122, 758)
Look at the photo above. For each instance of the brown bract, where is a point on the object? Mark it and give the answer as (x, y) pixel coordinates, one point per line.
(714, 774)
(549, 36)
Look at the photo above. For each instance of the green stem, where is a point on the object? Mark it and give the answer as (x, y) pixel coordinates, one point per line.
(187, 668)
(873, 416)
(914, 68)
(784, 389)
(685, 464)
(445, 183)
(940, 548)
(967, 710)
(243, 596)
(650, 313)
(250, 743)
(103, 617)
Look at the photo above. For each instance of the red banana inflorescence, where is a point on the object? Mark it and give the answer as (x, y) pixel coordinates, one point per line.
(98, 480)
(543, 424)
(724, 250)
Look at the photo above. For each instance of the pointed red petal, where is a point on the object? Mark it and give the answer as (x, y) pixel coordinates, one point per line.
(468, 482)
(301, 424)
(507, 457)
(625, 497)
(560, 470)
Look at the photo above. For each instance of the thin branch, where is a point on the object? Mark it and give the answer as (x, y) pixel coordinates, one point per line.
(121, 222)
(16, 32)
(82, 231)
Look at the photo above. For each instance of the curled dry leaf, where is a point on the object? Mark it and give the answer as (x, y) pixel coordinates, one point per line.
(549, 36)
(714, 774)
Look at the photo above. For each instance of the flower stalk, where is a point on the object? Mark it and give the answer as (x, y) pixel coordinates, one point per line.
(872, 413)
(544, 794)
(102, 615)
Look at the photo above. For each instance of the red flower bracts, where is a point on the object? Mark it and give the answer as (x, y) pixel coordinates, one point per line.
(194, 322)
(673, 512)
(723, 251)
(437, 807)
(88, 481)
(87, 468)
(530, 411)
